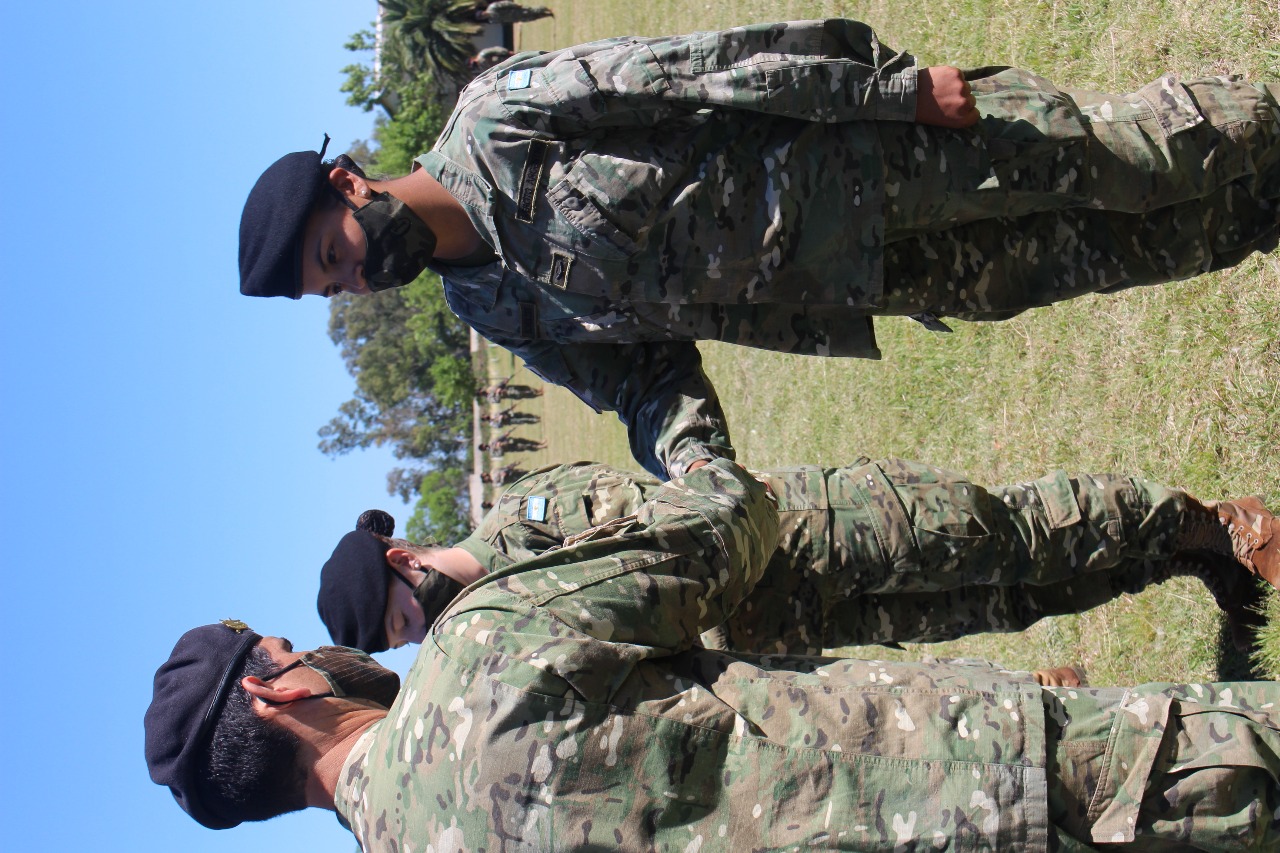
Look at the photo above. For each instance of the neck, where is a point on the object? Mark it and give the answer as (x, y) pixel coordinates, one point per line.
(329, 751)
(458, 564)
(456, 237)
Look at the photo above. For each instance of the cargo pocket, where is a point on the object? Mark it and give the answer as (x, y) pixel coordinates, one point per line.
(1168, 151)
(937, 531)
(1058, 497)
(610, 495)
(1035, 139)
(934, 525)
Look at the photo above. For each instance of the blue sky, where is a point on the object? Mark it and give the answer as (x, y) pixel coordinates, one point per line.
(158, 454)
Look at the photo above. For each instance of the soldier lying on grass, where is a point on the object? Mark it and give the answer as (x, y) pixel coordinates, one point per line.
(565, 703)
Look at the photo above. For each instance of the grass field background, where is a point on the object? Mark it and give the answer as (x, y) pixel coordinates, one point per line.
(1179, 383)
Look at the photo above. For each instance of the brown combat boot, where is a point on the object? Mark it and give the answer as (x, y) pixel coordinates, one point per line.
(1242, 529)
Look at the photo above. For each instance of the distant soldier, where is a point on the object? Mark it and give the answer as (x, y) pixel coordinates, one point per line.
(489, 57)
(507, 443)
(502, 476)
(510, 12)
(506, 390)
(510, 416)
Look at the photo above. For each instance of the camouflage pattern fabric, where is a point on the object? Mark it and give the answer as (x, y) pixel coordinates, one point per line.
(888, 551)
(647, 193)
(563, 704)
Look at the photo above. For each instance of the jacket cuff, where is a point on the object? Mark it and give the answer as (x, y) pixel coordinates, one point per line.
(896, 88)
(678, 465)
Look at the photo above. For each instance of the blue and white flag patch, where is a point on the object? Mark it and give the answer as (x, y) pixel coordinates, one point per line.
(536, 509)
(519, 79)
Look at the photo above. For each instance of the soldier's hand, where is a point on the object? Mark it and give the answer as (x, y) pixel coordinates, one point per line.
(943, 98)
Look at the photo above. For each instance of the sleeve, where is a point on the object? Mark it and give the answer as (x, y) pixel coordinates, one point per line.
(643, 586)
(832, 70)
(658, 389)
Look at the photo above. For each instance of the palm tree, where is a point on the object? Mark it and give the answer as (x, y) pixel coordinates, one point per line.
(429, 36)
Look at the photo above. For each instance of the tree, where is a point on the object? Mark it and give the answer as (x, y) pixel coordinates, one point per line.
(409, 355)
(432, 37)
(411, 131)
(441, 513)
(414, 382)
(411, 361)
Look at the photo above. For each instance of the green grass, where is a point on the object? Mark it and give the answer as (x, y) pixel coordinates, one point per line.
(1180, 383)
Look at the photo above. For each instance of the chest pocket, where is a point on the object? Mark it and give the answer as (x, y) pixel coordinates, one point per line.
(611, 495)
(618, 185)
(538, 518)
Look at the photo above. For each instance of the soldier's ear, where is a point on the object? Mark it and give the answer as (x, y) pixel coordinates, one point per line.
(348, 183)
(401, 559)
(273, 695)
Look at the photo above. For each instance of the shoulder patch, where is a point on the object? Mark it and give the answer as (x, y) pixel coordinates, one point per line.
(536, 508)
(519, 79)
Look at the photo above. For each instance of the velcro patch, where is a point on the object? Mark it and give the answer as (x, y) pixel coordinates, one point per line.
(519, 79)
(536, 508)
(560, 264)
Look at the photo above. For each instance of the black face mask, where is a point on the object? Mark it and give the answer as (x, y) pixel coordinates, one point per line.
(350, 674)
(398, 244)
(434, 594)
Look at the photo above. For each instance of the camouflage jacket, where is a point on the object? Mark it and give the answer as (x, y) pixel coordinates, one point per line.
(564, 704)
(789, 611)
(644, 193)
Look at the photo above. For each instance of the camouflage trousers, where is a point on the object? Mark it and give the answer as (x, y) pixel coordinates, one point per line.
(1163, 766)
(916, 553)
(1060, 193)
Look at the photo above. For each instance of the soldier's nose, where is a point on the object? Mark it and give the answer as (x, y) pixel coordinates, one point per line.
(358, 285)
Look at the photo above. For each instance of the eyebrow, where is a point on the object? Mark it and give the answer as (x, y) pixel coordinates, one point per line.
(320, 254)
(324, 289)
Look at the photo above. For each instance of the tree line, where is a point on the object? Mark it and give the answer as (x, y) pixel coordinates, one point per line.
(409, 355)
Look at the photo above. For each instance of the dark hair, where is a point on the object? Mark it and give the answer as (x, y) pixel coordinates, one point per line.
(251, 764)
(422, 549)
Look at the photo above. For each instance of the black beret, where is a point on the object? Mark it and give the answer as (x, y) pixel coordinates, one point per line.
(187, 696)
(353, 587)
(272, 223)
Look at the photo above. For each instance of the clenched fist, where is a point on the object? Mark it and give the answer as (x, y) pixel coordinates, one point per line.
(943, 98)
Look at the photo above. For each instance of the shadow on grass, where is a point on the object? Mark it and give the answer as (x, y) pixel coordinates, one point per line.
(1235, 665)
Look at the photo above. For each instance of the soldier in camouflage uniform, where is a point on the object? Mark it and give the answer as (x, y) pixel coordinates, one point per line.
(487, 58)
(502, 476)
(878, 552)
(509, 415)
(510, 12)
(505, 390)
(508, 443)
(597, 209)
(563, 704)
